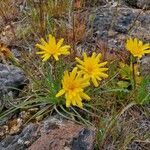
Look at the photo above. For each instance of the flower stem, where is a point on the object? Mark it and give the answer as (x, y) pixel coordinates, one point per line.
(133, 73)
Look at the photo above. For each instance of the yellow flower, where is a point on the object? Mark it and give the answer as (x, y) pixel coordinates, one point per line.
(137, 48)
(92, 68)
(73, 85)
(4, 51)
(51, 48)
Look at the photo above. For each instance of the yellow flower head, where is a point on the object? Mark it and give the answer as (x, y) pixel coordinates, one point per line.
(73, 85)
(51, 48)
(4, 51)
(137, 48)
(92, 68)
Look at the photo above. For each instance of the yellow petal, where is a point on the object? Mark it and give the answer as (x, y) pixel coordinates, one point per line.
(46, 58)
(68, 102)
(146, 46)
(40, 52)
(98, 78)
(104, 75)
(73, 101)
(99, 56)
(79, 61)
(60, 93)
(136, 41)
(95, 82)
(64, 51)
(102, 64)
(52, 40)
(84, 56)
(78, 102)
(56, 57)
(66, 47)
(81, 67)
(140, 43)
(41, 47)
(43, 42)
(73, 73)
(103, 69)
(86, 84)
(85, 96)
(147, 51)
(60, 42)
(93, 55)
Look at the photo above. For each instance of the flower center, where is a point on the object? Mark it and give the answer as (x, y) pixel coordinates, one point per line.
(90, 69)
(71, 87)
(52, 49)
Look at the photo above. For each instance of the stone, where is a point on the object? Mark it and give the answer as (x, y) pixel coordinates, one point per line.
(115, 29)
(20, 141)
(11, 79)
(132, 3)
(145, 63)
(96, 3)
(138, 145)
(63, 134)
(53, 133)
(84, 141)
(142, 4)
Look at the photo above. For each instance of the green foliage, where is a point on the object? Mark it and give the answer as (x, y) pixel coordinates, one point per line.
(143, 92)
(123, 84)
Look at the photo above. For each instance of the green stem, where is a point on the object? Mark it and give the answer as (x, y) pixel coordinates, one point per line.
(133, 73)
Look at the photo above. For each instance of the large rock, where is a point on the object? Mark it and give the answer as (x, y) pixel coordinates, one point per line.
(114, 26)
(52, 134)
(11, 79)
(59, 134)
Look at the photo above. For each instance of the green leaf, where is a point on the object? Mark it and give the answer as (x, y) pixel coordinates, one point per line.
(123, 84)
(143, 94)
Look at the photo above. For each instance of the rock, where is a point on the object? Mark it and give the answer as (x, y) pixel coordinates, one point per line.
(10, 77)
(1, 23)
(124, 21)
(139, 145)
(7, 36)
(84, 141)
(145, 62)
(63, 134)
(20, 141)
(143, 4)
(96, 3)
(53, 133)
(114, 27)
(132, 3)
